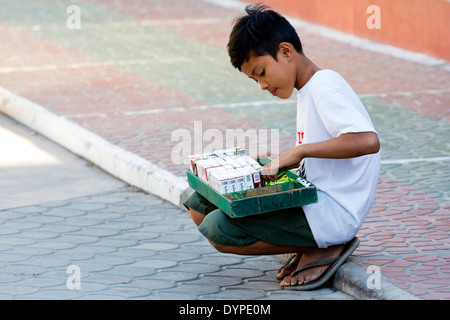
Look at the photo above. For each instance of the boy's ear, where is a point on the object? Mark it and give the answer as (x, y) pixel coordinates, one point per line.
(286, 49)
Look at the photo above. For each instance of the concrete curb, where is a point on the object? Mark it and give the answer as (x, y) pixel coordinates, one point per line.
(118, 162)
(352, 280)
(141, 173)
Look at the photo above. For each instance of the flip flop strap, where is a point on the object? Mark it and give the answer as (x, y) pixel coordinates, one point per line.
(317, 263)
(290, 263)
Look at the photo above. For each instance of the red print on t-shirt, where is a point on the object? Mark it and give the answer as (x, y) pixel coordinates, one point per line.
(300, 137)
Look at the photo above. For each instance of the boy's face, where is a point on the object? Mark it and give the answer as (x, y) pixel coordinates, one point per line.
(278, 77)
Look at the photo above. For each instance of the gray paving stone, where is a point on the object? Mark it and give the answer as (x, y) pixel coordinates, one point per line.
(5, 247)
(66, 211)
(116, 242)
(48, 261)
(260, 284)
(234, 294)
(42, 282)
(22, 225)
(7, 278)
(83, 221)
(132, 271)
(201, 269)
(97, 231)
(139, 234)
(127, 291)
(93, 266)
(175, 276)
(223, 260)
(14, 290)
(56, 245)
(33, 250)
(195, 289)
(88, 287)
(154, 263)
(114, 260)
(23, 269)
(88, 207)
(100, 216)
(13, 257)
(164, 295)
(152, 284)
(238, 272)
(219, 281)
(176, 255)
(29, 210)
(157, 246)
(101, 296)
(107, 278)
(60, 227)
(131, 252)
(39, 235)
(52, 294)
(180, 238)
(6, 230)
(42, 218)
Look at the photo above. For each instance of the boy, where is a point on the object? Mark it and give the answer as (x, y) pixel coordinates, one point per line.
(337, 150)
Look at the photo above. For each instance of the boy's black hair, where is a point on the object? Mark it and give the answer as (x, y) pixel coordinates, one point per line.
(260, 32)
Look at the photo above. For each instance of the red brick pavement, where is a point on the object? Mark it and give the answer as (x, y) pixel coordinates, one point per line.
(407, 230)
(406, 235)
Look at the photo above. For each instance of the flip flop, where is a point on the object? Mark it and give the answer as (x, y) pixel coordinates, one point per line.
(335, 264)
(291, 262)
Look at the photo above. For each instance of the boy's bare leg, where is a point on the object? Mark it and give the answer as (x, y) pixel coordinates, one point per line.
(306, 255)
(196, 216)
(314, 273)
(290, 267)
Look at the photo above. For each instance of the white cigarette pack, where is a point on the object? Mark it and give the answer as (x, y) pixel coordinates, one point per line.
(227, 171)
(203, 166)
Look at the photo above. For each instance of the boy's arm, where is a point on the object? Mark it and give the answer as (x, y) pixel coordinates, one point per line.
(349, 145)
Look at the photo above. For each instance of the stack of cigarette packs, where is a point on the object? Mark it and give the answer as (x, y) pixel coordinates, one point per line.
(227, 171)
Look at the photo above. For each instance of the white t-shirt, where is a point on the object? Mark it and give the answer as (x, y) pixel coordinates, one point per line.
(328, 107)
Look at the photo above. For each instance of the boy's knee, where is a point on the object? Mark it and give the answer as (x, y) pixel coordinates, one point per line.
(196, 216)
(221, 248)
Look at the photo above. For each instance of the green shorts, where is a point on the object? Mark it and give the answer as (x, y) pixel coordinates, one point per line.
(287, 227)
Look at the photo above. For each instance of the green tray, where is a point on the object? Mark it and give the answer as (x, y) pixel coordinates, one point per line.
(259, 200)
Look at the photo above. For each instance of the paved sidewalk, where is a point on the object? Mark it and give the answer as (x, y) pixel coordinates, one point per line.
(138, 71)
(126, 244)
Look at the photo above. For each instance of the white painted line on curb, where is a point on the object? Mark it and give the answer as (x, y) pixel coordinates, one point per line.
(406, 161)
(80, 65)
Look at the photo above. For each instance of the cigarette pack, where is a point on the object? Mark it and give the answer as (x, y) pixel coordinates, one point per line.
(255, 176)
(203, 166)
(227, 171)
(225, 181)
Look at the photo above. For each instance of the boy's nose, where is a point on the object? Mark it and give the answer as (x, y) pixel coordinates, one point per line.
(264, 85)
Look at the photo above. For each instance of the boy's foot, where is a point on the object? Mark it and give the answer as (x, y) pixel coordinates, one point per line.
(313, 273)
(289, 267)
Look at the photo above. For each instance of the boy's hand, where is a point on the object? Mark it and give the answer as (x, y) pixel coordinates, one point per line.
(266, 155)
(269, 171)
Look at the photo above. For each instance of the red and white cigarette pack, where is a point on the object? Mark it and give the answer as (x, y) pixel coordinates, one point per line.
(227, 171)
